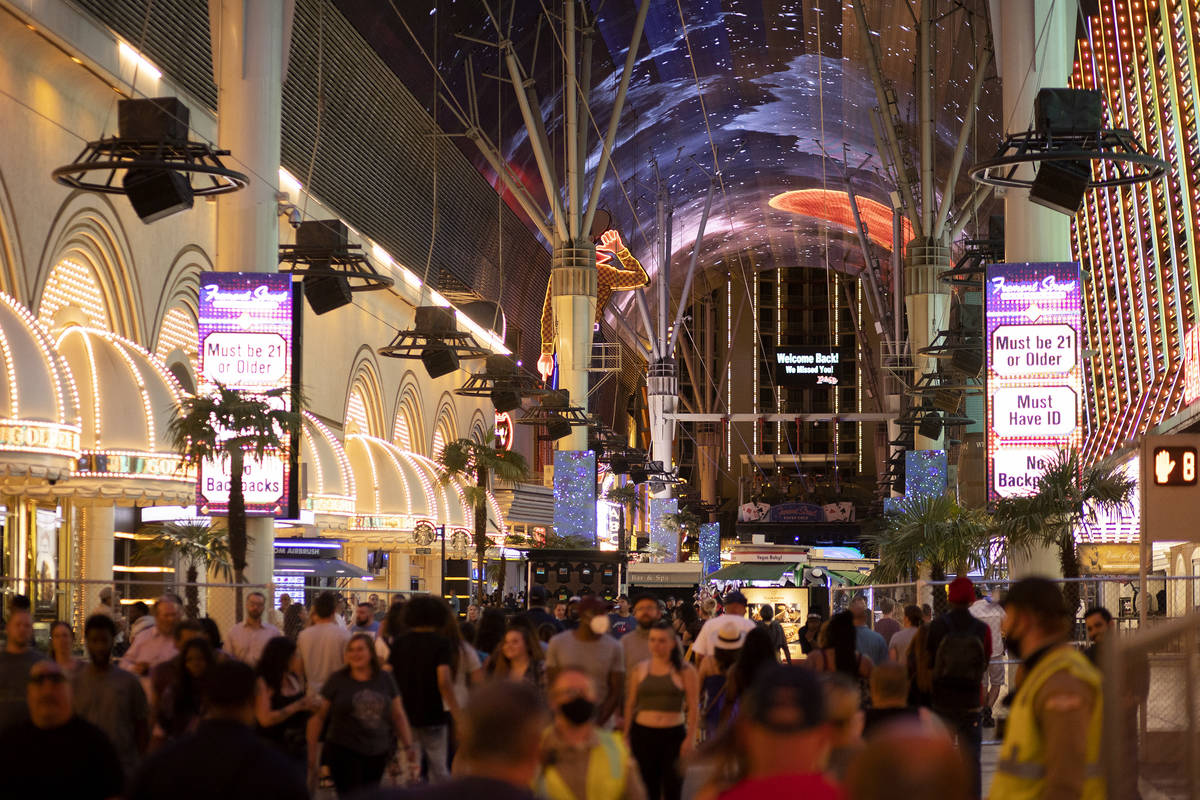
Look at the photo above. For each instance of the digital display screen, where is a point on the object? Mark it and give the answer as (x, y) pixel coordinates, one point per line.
(575, 494)
(710, 546)
(246, 338)
(1034, 371)
(925, 473)
(666, 538)
(810, 366)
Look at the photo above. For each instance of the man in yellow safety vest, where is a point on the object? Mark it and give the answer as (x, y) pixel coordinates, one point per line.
(1052, 743)
(581, 761)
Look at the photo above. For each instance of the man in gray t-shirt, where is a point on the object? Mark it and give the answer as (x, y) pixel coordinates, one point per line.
(111, 698)
(591, 649)
(16, 659)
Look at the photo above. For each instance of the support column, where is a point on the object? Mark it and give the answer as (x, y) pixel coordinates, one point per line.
(927, 302)
(573, 278)
(1036, 48)
(249, 44)
(663, 396)
(400, 571)
(99, 523)
(708, 454)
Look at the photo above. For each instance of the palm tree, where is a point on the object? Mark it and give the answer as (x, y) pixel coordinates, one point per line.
(467, 459)
(229, 424)
(683, 523)
(933, 531)
(196, 544)
(1069, 496)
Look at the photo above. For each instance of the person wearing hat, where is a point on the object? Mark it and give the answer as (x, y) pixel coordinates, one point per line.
(735, 612)
(1052, 740)
(960, 647)
(588, 647)
(782, 738)
(537, 613)
(715, 709)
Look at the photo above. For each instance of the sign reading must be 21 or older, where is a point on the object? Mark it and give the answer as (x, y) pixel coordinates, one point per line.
(246, 337)
(1034, 377)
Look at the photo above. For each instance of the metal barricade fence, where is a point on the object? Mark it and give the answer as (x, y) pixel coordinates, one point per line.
(1152, 711)
(72, 601)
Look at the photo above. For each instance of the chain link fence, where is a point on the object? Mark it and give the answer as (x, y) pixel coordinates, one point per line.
(1152, 711)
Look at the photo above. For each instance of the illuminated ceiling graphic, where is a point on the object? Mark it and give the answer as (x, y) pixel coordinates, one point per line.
(767, 96)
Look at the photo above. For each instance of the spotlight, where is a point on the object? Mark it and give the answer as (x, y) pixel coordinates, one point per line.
(439, 359)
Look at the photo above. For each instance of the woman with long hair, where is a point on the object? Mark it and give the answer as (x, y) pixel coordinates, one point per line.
(181, 703)
(280, 705)
(365, 716)
(519, 658)
(662, 713)
(489, 631)
(62, 648)
(466, 667)
(757, 652)
(839, 649)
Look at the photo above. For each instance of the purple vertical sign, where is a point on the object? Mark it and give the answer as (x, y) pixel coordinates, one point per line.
(1034, 374)
(245, 331)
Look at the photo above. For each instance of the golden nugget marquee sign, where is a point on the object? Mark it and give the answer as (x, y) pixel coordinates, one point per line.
(383, 522)
(23, 435)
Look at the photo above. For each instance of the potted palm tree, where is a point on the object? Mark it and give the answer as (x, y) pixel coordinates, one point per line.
(931, 531)
(198, 545)
(1069, 496)
(473, 463)
(231, 424)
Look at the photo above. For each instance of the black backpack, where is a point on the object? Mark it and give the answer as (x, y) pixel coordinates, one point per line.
(961, 660)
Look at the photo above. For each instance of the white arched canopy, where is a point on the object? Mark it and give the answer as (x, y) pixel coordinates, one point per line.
(39, 419)
(397, 489)
(330, 482)
(127, 399)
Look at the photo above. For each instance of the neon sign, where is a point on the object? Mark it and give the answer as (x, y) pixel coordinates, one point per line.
(1034, 379)
(246, 340)
(504, 431)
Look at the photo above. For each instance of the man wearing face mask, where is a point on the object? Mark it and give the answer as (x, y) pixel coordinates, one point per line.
(636, 643)
(590, 649)
(579, 760)
(1051, 746)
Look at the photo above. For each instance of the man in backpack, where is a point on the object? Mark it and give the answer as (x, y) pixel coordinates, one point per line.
(959, 649)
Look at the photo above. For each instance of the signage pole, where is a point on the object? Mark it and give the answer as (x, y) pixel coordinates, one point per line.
(442, 528)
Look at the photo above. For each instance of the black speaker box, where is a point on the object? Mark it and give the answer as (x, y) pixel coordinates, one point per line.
(638, 475)
(500, 365)
(324, 293)
(618, 465)
(435, 319)
(1061, 185)
(1068, 112)
(439, 359)
(153, 119)
(325, 234)
(506, 399)
(157, 193)
(557, 427)
(931, 425)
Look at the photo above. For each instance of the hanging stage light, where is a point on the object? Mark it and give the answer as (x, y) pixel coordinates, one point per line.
(332, 269)
(151, 161)
(436, 340)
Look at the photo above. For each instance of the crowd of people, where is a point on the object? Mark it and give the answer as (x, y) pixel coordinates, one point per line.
(583, 700)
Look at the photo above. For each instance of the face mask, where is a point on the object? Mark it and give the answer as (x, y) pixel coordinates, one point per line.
(600, 624)
(578, 711)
